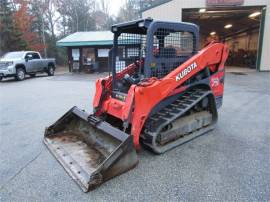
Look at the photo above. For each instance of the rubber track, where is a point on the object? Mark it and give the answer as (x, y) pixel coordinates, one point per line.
(162, 118)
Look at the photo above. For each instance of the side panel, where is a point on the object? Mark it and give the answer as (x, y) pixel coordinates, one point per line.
(217, 86)
(217, 79)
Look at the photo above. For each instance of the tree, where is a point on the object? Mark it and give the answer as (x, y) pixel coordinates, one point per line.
(10, 35)
(39, 23)
(76, 15)
(51, 16)
(103, 19)
(23, 22)
(130, 11)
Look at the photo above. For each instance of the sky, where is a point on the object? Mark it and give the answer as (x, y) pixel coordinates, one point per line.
(115, 6)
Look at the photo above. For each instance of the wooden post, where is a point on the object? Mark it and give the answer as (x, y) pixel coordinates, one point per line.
(69, 59)
(81, 59)
(96, 59)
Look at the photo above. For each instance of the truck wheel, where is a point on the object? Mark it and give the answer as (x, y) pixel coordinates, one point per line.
(1, 78)
(50, 70)
(32, 74)
(20, 74)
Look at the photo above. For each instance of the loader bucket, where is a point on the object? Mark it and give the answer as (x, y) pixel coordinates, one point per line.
(90, 150)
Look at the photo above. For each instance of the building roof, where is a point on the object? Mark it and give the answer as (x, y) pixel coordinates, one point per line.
(154, 4)
(92, 38)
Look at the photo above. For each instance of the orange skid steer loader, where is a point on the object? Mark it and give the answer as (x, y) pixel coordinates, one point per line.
(162, 92)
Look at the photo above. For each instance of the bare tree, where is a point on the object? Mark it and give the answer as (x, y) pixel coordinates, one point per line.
(52, 16)
(76, 15)
(104, 6)
(129, 11)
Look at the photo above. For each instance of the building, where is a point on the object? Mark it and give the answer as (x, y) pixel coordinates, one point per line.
(242, 24)
(88, 51)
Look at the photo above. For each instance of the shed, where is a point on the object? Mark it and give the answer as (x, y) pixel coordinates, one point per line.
(88, 51)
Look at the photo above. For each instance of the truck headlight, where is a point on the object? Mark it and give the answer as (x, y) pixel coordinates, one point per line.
(9, 63)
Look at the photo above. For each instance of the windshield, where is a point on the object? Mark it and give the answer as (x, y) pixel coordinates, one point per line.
(13, 55)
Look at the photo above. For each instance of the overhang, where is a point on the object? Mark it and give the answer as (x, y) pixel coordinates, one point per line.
(94, 38)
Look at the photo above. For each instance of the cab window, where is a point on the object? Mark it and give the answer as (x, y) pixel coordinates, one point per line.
(35, 56)
(28, 55)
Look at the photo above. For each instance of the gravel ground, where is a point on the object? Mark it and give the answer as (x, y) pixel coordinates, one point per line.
(231, 163)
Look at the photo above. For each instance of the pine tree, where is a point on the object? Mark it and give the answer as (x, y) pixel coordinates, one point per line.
(10, 36)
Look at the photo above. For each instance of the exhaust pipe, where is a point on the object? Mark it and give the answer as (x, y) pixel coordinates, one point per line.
(90, 150)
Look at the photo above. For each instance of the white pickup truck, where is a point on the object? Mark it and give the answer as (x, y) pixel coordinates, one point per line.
(18, 64)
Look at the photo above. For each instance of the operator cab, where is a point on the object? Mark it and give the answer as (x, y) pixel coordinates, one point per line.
(151, 48)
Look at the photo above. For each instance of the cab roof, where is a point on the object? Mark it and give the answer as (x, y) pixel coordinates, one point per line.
(136, 26)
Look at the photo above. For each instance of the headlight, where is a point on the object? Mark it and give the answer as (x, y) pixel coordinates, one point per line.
(9, 63)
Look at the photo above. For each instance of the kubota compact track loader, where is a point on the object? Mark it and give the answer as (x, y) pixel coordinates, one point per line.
(162, 92)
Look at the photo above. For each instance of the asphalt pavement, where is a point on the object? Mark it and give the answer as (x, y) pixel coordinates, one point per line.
(230, 163)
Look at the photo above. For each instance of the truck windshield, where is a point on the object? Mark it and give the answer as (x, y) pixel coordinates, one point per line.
(13, 55)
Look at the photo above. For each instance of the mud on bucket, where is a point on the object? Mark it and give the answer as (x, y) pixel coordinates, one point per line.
(90, 150)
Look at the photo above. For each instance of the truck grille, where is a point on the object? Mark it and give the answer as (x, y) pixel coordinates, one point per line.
(3, 65)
